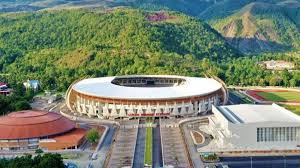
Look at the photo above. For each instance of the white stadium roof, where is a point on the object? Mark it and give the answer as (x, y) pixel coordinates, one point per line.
(102, 87)
(250, 113)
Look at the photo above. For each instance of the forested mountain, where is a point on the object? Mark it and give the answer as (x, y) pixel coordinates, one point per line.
(191, 7)
(225, 8)
(58, 47)
(252, 26)
(260, 27)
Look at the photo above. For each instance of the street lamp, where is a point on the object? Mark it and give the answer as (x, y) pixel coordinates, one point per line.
(251, 161)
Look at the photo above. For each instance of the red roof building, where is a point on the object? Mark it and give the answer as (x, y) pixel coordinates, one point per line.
(70, 140)
(3, 84)
(24, 129)
(4, 90)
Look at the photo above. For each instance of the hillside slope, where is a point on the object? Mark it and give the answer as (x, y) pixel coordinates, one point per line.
(225, 8)
(191, 7)
(260, 27)
(60, 46)
(263, 21)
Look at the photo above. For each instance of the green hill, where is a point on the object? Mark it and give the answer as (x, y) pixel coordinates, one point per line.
(58, 47)
(222, 9)
(252, 26)
(191, 7)
(259, 27)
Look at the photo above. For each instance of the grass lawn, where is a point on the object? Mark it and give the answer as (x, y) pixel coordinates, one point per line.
(148, 146)
(280, 96)
(293, 108)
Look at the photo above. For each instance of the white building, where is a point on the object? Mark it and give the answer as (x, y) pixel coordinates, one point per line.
(248, 127)
(32, 84)
(144, 96)
(279, 65)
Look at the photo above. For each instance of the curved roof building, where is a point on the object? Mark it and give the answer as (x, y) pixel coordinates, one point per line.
(144, 95)
(30, 129)
(33, 124)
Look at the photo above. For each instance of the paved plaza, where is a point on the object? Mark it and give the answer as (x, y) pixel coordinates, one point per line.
(173, 148)
(123, 148)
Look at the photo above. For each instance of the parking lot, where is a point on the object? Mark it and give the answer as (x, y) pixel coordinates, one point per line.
(173, 148)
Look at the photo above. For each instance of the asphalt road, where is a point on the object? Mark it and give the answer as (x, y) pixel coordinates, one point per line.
(102, 152)
(85, 160)
(156, 146)
(261, 162)
(139, 153)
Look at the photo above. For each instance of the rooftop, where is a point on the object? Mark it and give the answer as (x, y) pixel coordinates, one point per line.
(73, 136)
(250, 113)
(2, 84)
(33, 124)
(103, 87)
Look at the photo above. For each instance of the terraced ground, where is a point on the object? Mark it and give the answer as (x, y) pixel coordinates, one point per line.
(280, 96)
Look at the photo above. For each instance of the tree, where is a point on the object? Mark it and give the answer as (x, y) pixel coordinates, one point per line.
(51, 161)
(21, 105)
(273, 81)
(47, 160)
(286, 77)
(92, 135)
(293, 83)
(39, 151)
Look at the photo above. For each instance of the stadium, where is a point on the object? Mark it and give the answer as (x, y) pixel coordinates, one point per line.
(144, 96)
(31, 129)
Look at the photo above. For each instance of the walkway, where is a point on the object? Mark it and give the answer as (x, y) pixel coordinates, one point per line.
(173, 148)
(139, 154)
(124, 147)
(197, 162)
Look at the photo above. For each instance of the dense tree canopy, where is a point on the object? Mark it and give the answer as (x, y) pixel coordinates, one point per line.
(47, 160)
(19, 100)
(59, 47)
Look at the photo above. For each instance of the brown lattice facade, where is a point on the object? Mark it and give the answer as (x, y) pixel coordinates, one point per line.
(95, 106)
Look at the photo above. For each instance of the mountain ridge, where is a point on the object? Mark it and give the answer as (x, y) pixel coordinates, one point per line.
(261, 27)
(259, 24)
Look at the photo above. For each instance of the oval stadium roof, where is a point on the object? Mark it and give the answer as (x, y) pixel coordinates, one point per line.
(103, 87)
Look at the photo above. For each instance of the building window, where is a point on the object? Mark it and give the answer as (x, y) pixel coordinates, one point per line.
(282, 134)
(257, 134)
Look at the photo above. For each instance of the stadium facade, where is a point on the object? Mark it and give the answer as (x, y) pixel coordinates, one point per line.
(144, 95)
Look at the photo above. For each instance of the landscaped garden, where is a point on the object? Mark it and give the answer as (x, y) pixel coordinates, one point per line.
(210, 157)
(148, 146)
(198, 138)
